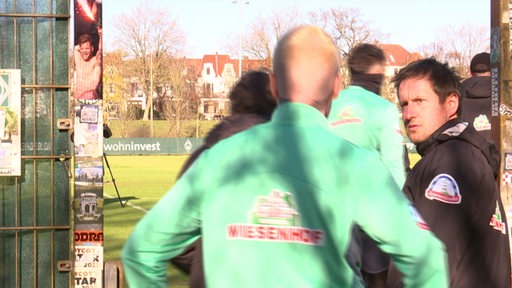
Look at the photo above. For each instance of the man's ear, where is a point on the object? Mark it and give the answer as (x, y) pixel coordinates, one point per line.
(273, 85)
(337, 86)
(452, 104)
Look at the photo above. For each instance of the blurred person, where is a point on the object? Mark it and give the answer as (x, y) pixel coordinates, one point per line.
(453, 184)
(476, 94)
(88, 68)
(287, 194)
(252, 103)
(360, 115)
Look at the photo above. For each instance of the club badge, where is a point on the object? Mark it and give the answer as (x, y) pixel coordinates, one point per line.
(444, 188)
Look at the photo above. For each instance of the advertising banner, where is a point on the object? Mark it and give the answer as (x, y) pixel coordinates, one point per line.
(151, 146)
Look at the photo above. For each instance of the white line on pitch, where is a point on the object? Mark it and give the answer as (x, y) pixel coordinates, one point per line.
(128, 203)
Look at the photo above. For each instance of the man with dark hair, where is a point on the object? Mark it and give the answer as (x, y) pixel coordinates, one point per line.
(453, 185)
(476, 95)
(363, 117)
(360, 115)
(275, 204)
(252, 103)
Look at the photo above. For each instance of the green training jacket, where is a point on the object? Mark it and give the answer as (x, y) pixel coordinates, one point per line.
(276, 205)
(366, 119)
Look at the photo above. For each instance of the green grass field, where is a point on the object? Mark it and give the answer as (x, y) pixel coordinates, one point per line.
(142, 181)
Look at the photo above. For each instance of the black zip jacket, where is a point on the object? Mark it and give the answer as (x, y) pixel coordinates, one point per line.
(454, 189)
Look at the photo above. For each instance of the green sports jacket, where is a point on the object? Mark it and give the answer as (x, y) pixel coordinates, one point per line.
(366, 119)
(275, 206)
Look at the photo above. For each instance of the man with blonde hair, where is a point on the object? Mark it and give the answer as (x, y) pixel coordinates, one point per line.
(275, 204)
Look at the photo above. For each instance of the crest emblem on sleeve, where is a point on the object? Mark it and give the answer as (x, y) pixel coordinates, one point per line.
(443, 188)
(496, 221)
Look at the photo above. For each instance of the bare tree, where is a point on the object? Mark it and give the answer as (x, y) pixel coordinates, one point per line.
(117, 92)
(348, 27)
(152, 35)
(262, 34)
(177, 100)
(457, 44)
(432, 49)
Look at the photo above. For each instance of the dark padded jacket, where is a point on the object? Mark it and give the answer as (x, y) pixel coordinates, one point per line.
(476, 103)
(454, 188)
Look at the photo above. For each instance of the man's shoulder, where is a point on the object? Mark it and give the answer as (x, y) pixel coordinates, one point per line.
(361, 96)
(455, 151)
(474, 80)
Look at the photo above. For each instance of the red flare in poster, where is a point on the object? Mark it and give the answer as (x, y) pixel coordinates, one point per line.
(83, 6)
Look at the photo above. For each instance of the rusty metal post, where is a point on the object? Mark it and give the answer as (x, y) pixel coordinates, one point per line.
(501, 116)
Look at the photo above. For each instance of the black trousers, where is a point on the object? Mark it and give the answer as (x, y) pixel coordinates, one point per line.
(191, 262)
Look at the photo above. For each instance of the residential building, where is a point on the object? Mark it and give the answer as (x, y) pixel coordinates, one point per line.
(397, 57)
(213, 76)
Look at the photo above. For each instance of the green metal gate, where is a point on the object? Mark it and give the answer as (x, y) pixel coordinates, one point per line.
(35, 229)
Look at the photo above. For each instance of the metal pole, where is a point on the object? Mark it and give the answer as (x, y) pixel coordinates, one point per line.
(114, 181)
(501, 98)
(240, 44)
(151, 96)
(240, 34)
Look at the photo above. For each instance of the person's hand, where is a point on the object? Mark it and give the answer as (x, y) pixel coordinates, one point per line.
(100, 31)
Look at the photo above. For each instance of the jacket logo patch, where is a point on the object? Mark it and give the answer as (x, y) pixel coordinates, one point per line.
(275, 218)
(444, 188)
(417, 217)
(276, 209)
(456, 130)
(346, 116)
(481, 123)
(496, 221)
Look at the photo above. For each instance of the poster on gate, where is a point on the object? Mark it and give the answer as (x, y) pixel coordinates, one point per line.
(86, 91)
(87, 52)
(10, 124)
(88, 257)
(88, 278)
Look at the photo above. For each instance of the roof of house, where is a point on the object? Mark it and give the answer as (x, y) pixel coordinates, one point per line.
(193, 67)
(220, 60)
(397, 55)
